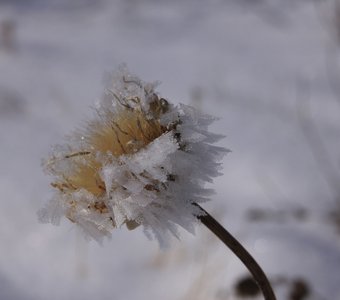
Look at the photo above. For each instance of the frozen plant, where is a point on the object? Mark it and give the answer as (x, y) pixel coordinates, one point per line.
(139, 161)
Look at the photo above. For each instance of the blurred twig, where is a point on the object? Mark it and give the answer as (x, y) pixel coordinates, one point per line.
(314, 139)
(7, 35)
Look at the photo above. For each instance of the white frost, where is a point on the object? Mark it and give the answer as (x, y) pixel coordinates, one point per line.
(155, 186)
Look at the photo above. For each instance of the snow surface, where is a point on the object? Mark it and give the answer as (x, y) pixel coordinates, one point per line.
(268, 69)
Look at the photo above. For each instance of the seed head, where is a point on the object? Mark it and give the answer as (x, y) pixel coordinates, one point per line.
(139, 161)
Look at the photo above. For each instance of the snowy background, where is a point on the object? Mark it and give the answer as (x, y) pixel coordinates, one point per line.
(270, 69)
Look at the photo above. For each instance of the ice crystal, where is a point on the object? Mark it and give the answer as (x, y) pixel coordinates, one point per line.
(140, 161)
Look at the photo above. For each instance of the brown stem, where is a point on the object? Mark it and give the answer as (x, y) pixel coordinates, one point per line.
(254, 268)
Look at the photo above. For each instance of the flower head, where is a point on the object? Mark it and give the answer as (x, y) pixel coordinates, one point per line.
(140, 161)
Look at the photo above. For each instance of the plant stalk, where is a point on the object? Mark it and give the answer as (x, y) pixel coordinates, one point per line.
(254, 268)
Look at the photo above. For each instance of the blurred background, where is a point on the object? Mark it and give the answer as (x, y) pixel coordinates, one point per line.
(269, 69)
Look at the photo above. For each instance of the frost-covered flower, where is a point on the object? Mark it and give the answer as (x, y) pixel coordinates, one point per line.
(140, 161)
